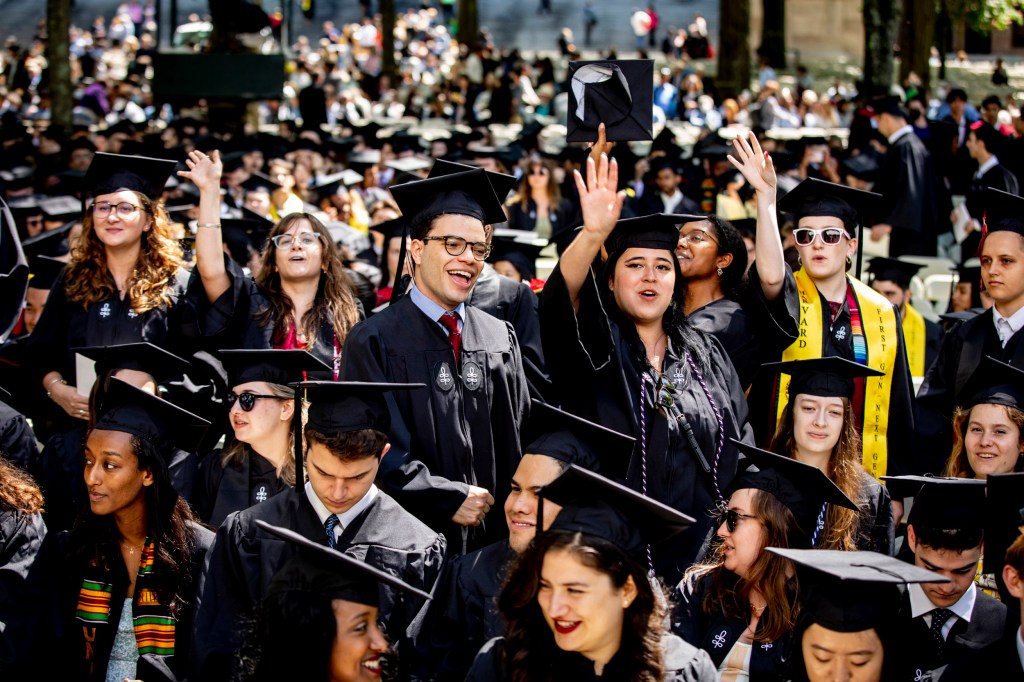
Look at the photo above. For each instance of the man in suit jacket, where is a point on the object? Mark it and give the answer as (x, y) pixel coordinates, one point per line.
(985, 143)
(664, 195)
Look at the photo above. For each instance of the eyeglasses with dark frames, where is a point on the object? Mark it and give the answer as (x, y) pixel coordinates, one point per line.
(456, 246)
(731, 518)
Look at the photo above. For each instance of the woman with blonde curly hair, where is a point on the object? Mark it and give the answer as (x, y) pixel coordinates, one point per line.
(125, 281)
(302, 298)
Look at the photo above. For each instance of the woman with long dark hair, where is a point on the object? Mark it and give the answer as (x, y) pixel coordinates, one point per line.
(818, 428)
(131, 564)
(302, 298)
(650, 373)
(578, 601)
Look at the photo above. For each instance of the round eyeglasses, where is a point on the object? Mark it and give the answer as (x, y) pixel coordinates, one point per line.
(456, 246)
(125, 209)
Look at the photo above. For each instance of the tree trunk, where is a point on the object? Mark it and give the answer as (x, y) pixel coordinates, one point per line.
(881, 19)
(387, 26)
(58, 60)
(773, 32)
(733, 47)
(469, 23)
(917, 36)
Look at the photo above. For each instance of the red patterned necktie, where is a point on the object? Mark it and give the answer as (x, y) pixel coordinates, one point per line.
(451, 323)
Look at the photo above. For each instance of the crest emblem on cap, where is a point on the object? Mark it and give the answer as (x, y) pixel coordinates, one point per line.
(105, 310)
(471, 376)
(444, 379)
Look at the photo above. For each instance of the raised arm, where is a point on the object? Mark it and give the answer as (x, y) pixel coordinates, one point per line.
(759, 171)
(204, 172)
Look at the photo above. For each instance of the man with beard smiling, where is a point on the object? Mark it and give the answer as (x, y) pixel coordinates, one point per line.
(454, 452)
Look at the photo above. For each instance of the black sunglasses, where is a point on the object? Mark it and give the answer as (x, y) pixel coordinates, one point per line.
(248, 400)
(731, 518)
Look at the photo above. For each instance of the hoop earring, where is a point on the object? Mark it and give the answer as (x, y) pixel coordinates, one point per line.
(720, 272)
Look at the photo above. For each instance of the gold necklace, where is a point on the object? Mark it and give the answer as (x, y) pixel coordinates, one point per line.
(131, 548)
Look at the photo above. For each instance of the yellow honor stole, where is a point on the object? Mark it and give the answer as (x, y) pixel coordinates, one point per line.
(914, 338)
(879, 321)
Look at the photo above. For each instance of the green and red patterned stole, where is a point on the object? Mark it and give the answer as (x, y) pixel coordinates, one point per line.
(154, 626)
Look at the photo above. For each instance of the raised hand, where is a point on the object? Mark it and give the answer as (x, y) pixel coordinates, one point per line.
(204, 171)
(599, 196)
(755, 165)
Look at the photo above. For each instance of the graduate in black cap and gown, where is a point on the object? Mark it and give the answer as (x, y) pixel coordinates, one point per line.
(125, 282)
(623, 355)
(739, 605)
(464, 614)
(259, 462)
(339, 507)
(125, 585)
(953, 622)
(922, 337)
(579, 602)
(456, 446)
(994, 333)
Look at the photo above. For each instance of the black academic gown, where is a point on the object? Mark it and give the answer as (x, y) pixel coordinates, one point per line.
(728, 321)
(596, 378)
(464, 615)
(244, 559)
(21, 592)
(516, 304)
(997, 177)
(947, 380)
(461, 430)
(17, 442)
(237, 486)
(916, 654)
(1000, 661)
(877, 531)
(910, 198)
(716, 633)
(683, 662)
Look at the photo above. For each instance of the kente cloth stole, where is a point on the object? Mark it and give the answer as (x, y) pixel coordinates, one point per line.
(914, 339)
(870, 312)
(153, 624)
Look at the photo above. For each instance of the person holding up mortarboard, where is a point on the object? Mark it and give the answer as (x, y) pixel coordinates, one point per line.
(818, 428)
(125, 587)
(944, 623)
(891, 278)
(464, 614)
(988, 430)
(456, 447)
(319, 619)
(995, 333)
(339, 507)
(579, 601)
(647, 371)
(258, 463)
(835, 314)
(848, 606)
(301, 298)
(125, 282)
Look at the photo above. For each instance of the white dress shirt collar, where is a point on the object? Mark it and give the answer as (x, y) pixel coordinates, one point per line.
(345, 518)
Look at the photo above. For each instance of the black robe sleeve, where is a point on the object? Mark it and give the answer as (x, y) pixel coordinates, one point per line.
(17, 442)
(936, 398)
(903, 456)
(777, 322)
(21, 591)
(878, 527)
(487, 666)
(47, 345)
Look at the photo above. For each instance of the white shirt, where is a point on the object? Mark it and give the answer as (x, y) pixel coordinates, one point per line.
(921, 605)
(900, 133)
(671, 202)
(344, 518)
(987, 166)
(1006, 327)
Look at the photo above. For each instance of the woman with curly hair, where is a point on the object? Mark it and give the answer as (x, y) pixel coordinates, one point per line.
(125, 281)
(539, 206)
(989, 430)
(127, 583)
(818, 428)
(578, 601)
(302, 298)
(739, 604)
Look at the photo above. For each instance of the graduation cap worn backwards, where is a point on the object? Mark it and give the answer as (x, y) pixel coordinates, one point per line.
(109, 173)
(852, 591)
(320, 570)
(814, 197)
(274, 366)
(618, 93)
(802, 488)
(141, 357)
(574, 440)
(597, 506)
(468, 193)
(893, 270)
(828, 377)
(130, 410)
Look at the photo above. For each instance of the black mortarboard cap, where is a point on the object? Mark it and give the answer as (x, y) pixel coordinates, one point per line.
(252, 228)
(110, 173)
(1004, 212)
(130, 410)
(522, 254)
(862, 166)
(902, 487)
(258, 182)
(656, 231)
(618, 93)
(44, 271)
(575, 440)
(995, 382)
(320, 570)
(50, 243)
(62, 208)
(410, 164)
(275, 366)
(141, 356)
(390, 229)
(598, 506)
(893, 270)
(233, 161)
(814, 197)
(343, 406)
(852, 591)
(961, 316)
(360, 161)
(947, 503)
(25, 206)
(889, 104)
(802, 488)
(1004, 502)
(328, 185)
(467, 193)
(501, 183)
(828, 377)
